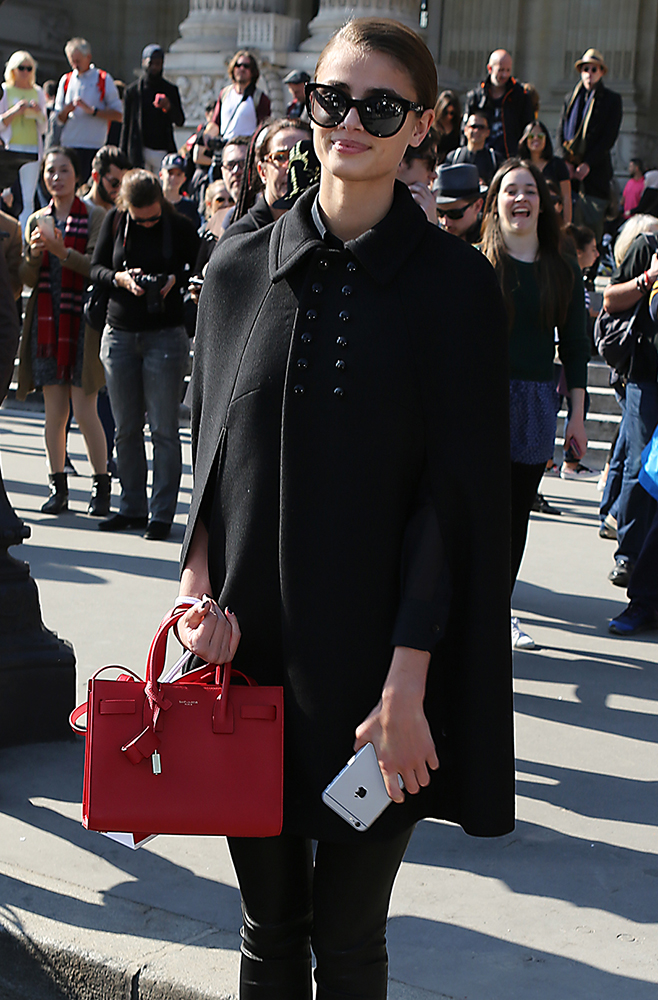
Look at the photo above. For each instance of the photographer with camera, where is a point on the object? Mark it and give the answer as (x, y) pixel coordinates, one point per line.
(144, 253)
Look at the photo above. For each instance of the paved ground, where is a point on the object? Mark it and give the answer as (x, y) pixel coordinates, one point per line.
(566, 907)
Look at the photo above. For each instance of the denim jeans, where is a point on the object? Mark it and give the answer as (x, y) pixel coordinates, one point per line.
(144, 372)
(643, 586)
(610, 498)
(635, 506)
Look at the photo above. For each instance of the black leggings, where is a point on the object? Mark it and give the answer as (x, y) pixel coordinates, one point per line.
(525, 483)
(338, 905)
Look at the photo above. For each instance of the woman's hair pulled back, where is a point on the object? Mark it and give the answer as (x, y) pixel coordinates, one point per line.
(397, 42)
(556, 278)
(139, 189)
(259, 148)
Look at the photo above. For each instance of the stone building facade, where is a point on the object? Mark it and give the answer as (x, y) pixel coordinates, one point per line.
(544, 36)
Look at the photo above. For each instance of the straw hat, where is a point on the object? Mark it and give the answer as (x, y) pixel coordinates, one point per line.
(592, 56)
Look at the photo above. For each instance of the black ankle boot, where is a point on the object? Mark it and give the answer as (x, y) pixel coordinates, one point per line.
(99, 501)
(59, 494)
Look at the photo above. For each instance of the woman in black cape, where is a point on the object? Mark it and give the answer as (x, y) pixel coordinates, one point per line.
(350, 392)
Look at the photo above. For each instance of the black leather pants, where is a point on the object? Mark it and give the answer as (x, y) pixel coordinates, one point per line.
(337, 906)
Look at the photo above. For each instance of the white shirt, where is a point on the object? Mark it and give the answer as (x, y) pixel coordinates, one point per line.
(83, 131)
(238, 117)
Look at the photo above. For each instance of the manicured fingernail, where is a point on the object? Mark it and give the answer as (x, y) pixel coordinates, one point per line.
(205, 602)
(228, 610)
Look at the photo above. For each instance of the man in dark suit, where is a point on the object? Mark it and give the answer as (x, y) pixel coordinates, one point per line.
(587, 131)
(152, 107)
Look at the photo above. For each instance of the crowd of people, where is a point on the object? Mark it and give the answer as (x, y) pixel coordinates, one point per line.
(305, 256)
(118, 235)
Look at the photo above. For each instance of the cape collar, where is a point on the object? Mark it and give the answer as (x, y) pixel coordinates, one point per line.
(382, 251)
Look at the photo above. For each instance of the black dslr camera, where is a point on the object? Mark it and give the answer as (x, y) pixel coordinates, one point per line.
(153, 285)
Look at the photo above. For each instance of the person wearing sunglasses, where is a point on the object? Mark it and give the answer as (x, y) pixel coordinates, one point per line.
(459, 200)
(23, 121)
(476, 151)
(107, 169)
(332, 352)
(265, 177)
(241, 106)
(587, 131)
(536, 146)
(143, 257)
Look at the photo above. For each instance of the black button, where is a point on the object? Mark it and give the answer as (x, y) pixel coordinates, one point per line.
(299, 389)
(344, 315)
(323, 263)
(316, 287)
(351, 266)
(302, 363)
(306, 338)
(338, 391)
(346, 289)
(341, 366)
(311, 314)
(341, 341)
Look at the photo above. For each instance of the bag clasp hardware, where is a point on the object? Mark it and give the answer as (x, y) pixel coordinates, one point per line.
(156, 762)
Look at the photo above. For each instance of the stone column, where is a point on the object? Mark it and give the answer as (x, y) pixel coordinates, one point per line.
(334, 13)
(212, 32)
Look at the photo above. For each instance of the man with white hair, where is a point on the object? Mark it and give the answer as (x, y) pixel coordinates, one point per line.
(86, 102)
(504, 101)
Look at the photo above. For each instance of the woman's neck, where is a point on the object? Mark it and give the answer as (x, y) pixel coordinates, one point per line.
(62, 206)
(351, 208)
(537, 157)
(523, 247)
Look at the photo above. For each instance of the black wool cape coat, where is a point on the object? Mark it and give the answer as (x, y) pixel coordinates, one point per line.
(326, 382)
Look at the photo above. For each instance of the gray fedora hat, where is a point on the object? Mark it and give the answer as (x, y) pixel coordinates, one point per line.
(296, 76)
(461, 180)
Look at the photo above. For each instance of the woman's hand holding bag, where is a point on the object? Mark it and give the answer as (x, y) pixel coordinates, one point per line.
(208, 633)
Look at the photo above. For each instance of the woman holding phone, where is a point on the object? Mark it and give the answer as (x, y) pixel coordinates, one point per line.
(543, 290)
(23, 122)
(361, 569)
(59, 352)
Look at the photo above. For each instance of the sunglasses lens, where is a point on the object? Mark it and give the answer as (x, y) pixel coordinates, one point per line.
(382, 116)
(328, 106)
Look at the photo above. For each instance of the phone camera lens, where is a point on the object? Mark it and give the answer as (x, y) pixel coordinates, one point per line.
(361, 792)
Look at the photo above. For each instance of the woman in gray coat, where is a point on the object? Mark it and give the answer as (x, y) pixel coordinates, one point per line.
(357, 558)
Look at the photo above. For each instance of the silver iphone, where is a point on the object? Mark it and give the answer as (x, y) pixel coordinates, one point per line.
(358, 794)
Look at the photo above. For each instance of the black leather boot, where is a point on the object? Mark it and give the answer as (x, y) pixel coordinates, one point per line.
(59, 494)
(99, 501)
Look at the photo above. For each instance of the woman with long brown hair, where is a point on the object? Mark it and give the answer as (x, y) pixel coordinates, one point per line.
(543, 292)
(360, 566)
(447, 122)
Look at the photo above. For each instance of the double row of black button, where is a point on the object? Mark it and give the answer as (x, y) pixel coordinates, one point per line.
(311, 315)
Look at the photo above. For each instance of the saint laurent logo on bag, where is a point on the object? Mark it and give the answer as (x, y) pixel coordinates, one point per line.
(188, 702)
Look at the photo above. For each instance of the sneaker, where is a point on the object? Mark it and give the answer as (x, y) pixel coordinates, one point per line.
(520, 639)
(580, 472)
(635, 618)
(621, 574)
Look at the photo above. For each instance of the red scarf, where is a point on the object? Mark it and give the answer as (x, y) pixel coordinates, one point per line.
(61, 343)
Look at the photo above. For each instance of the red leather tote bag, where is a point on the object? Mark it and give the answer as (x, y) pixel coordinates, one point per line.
(200, 755)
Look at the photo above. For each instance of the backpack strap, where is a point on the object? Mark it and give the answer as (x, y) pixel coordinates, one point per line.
(101, 83)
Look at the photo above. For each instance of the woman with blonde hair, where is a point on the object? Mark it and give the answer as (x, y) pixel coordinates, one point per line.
(23, 121)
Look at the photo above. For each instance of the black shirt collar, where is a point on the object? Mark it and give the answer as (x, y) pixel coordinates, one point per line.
(382, 250)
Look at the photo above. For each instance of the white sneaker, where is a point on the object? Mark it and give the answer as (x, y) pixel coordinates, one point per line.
(520, 639)
(580, 472)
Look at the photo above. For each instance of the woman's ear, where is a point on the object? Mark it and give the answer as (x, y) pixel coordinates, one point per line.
(260, 167)
(421, 127)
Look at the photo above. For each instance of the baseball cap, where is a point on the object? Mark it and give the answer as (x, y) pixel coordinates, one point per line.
(173, 161)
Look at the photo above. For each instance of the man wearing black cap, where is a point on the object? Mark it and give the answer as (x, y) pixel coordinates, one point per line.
(459, 201)
(172, 177)
(295, 81)
(152, 107)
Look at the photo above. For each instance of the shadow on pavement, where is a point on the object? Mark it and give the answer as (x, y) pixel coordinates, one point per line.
(431, 955)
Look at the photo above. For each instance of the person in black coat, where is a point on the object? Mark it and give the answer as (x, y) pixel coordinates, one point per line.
(152, 107)
(507, 105)
(587, 131)
(360, 564)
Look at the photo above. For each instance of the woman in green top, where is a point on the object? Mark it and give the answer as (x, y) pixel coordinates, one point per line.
(23, 121)
(543, 292)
